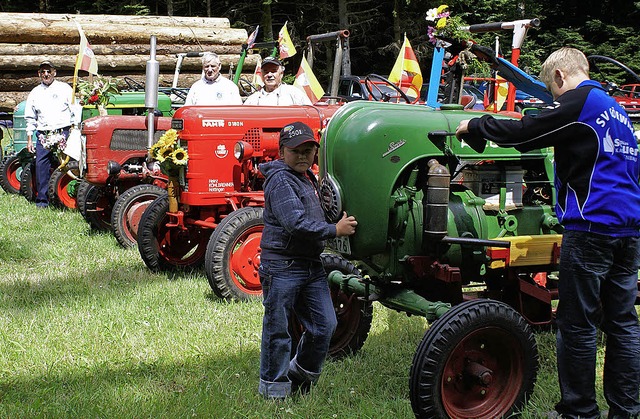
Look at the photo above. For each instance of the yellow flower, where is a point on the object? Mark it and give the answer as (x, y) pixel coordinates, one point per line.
(442, 22)
(180, 156)
(164, 153)
(442, 8)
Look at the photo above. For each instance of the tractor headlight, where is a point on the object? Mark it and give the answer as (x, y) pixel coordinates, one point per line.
(330, 198)
(242, 150)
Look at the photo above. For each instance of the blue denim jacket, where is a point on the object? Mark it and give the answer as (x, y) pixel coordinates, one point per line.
(294, 223)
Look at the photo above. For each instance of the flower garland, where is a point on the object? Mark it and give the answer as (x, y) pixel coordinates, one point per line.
(53, 140)
(441, 25)
(169, 154)
(97, 92)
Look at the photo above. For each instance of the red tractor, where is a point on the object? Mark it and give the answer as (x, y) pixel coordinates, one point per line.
(216, 215)
(118, 182)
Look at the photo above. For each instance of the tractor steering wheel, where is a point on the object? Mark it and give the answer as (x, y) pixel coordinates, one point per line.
(132, 84)
(610, 86)
(179, 93)
(246, 87)
(381, 96)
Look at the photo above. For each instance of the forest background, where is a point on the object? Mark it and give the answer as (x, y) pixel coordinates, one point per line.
(603, 27)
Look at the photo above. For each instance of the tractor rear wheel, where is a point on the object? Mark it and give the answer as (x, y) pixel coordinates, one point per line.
(63, 187)
(97, 208)
(165, 248)
(128, 210)
(354, 315)
(10, 172)
(478, 360)
(28, 187)
(233, 255)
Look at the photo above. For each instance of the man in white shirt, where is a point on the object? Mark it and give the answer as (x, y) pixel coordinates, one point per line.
(49, 109)
(212, 88)
(275, 92)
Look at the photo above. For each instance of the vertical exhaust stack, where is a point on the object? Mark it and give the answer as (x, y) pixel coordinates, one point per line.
(436, 202)
(151, 90)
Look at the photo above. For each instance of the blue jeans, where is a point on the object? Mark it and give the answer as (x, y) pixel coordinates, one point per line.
(598, 287)
(299, 286)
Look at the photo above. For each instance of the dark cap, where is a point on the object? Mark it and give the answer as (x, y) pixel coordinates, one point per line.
(46, 63)
(271, 60)
(296, 133)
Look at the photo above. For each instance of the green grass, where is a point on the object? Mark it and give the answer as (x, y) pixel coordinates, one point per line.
(86, 330)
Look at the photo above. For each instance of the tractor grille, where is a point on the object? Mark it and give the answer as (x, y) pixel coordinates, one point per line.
(131, 139)
(254, 138)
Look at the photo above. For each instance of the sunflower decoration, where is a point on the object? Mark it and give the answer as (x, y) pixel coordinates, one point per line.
(169, 154)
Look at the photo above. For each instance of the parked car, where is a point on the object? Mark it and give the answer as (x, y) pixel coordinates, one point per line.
(628, 96)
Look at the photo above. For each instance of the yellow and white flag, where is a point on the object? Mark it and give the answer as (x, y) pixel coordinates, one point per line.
(307, 81)
(287, 49)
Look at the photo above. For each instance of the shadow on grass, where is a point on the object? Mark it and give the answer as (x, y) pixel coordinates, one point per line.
(32, 290)
(198, 386)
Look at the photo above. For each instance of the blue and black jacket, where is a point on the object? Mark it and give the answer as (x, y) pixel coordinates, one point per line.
(596, 157)
(294, 222)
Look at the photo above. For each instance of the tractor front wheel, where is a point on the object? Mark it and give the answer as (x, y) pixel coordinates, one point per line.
(10, 172)
(28, 187)
(233, 255)
(165, 248)
(128, 210)
(354, 315)
(94, 206)
(479, 360)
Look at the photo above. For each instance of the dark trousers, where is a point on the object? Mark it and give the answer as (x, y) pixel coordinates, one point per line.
(43, 172)
(45, 159)
(598, 288)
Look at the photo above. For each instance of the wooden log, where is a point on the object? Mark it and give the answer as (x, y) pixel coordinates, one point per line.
(45, 18)
(56, 32)
(116, 62)
(9, 100)
(114, 49)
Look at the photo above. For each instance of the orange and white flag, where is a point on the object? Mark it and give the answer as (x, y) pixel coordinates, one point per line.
(287, 49)
(307, 81)
(257, 74)
(86, 60)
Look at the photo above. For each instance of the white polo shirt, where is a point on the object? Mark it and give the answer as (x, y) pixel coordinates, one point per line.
(221, 91)
(284, 95)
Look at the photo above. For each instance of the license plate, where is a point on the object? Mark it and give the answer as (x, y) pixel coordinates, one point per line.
(341, 245)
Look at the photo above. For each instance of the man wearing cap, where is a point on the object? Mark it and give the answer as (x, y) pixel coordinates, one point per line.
(49, 109)
(291, 272)
(275, 92)
(212, 88)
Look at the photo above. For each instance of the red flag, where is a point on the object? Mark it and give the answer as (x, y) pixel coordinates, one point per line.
(86, 59)
(251, 40)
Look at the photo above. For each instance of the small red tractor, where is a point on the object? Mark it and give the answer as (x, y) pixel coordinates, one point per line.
(118, 182)
(221, 191)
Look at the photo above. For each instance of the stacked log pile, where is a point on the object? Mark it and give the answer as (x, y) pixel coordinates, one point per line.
(121, 45)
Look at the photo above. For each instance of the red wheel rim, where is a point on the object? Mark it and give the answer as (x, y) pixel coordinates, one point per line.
(13, 172)
(181, 247)
(63, 192)
(483, 375)
(244, 261)
(132, 218)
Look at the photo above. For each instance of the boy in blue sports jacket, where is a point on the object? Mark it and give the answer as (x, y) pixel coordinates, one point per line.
(291, 273)
(598, 203)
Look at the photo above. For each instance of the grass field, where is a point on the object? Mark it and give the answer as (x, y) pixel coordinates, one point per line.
(86, 331)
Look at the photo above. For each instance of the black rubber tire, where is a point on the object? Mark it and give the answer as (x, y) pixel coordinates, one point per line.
(354, 315)
(235, 243)
(97, 208)
(133, 199)
(165, 248)
(81, 197)
(59, 182)
(10, 172)
(484, 333)
(28, 187)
